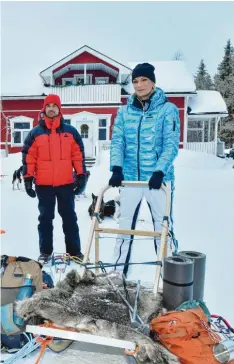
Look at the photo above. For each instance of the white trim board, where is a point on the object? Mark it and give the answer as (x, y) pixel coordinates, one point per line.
(96, 343)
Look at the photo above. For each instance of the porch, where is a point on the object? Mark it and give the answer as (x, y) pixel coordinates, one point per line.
(88, 94)
(205, 110)
(201, 134)
(205, 147)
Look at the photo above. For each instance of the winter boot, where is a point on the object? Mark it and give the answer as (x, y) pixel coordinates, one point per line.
(44, 258)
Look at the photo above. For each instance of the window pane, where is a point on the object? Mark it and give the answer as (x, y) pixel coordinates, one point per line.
(21, 125)
(17, 136)
(84, 131)
(67, 121)
(194, 136)
(102, 134)
(195, 124)
(25, 133)
(102, 123)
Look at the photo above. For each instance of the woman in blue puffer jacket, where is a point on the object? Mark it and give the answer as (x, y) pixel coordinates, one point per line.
(145, 142)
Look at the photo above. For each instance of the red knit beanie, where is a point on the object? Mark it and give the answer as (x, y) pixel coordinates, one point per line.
(52, 99)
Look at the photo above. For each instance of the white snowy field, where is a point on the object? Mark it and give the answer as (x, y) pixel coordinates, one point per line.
(203, 214)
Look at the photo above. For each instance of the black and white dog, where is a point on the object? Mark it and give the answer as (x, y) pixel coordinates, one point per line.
(17, 178)
(108, 209)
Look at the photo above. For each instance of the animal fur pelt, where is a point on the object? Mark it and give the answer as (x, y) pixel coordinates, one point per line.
(92, 305)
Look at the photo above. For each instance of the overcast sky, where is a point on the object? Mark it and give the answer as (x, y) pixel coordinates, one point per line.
(35, 35)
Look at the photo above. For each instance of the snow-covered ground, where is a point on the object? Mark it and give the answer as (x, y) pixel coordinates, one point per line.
(203, 212)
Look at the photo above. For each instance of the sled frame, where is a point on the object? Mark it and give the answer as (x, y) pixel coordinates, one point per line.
(88, 342)
(95, 230)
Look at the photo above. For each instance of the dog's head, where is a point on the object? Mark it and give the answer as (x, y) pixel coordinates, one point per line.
(92, 206)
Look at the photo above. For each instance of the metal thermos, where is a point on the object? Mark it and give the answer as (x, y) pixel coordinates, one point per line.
(224, 351)
(25, 291)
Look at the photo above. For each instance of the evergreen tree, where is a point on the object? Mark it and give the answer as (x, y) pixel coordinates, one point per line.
(224, 83)
(225, 68)
(203, 79)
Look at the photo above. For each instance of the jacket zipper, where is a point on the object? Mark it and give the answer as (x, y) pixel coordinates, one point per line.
(53, 135)
(138, 144)
(138, 147)
(174, 124)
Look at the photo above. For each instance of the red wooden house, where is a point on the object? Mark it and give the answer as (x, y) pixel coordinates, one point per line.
(92, 87)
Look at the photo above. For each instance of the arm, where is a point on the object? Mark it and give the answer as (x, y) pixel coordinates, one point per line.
(171, 139)
(78, 156)
(29, 156)
(117, 141)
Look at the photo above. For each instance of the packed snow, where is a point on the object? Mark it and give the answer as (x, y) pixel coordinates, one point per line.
(203, 214)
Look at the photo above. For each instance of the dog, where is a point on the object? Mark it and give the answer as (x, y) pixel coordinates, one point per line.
(110, 208)
(17, 178)
(89, 304)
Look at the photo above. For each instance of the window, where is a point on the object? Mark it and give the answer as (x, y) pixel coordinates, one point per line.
(102, 129)
(201, 130)
(67, 121)
(67, 81)
(101, 80)
(20, 130)
(79, 79)
(84, 131)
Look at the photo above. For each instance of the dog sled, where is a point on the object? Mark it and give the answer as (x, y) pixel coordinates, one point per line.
(48, 334)
(95, 343)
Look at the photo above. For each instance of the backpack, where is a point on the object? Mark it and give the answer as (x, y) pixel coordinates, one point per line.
(13, 272)
(187, 335)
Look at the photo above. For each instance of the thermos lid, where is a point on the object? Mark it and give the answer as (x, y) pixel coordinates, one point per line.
(28, 276)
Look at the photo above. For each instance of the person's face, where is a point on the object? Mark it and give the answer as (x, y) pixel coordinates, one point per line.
(51, 110)
(143, 86)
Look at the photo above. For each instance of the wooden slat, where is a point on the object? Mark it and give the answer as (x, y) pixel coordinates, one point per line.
(85, 342)
(128, 232)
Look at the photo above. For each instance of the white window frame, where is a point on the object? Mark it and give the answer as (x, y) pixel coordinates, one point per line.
(107, 127)
(81, 75)
(67, 79)
(101, 78)
(19, 119)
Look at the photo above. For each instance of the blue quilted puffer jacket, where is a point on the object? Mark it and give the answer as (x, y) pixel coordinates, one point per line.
(146, 139)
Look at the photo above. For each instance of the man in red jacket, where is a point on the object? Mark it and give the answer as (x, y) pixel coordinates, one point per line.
(50, 153)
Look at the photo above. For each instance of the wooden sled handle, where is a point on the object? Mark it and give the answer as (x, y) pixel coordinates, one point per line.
(164, 233)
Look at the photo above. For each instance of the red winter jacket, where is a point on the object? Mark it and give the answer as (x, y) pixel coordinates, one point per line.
(51, 151)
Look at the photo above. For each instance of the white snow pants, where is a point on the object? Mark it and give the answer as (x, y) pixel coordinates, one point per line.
(130, 201)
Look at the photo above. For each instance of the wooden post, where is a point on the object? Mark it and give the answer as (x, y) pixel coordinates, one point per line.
(7, 136)
(84, 74)
(96, 249)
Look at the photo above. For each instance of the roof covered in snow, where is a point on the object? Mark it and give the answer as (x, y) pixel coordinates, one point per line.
(207, 102)
(171, 76)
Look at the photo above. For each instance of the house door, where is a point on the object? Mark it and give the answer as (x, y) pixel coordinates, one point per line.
(85, 129)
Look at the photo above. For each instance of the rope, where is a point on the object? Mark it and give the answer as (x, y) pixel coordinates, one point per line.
(27, 349)
(44, 343)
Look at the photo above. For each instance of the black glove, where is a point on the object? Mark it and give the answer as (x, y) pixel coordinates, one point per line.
(80, 183)
(28, 181)
(117, 177)
(156, 180)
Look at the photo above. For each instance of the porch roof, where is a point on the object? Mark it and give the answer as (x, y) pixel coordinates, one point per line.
(207, 102)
